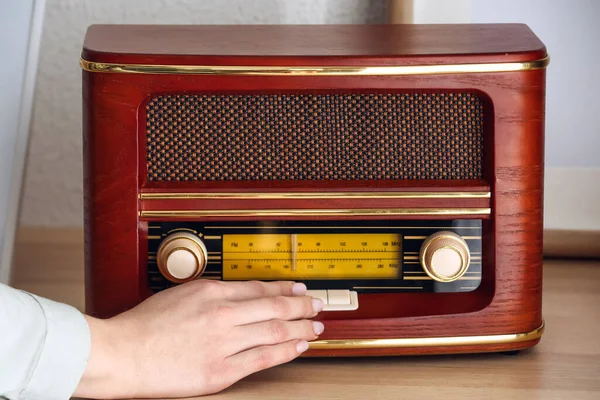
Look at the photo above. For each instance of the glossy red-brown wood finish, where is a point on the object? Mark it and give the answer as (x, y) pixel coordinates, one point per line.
(411, 351)
(275, 204)
(509, 298)
(312, 44)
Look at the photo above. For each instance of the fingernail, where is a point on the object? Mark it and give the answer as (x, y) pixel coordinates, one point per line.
(317, 304)
(298, 289)
(302, 346)
(318, 327)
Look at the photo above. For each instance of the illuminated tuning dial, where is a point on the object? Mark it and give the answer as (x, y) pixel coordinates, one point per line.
(445, 256)
(181, 257)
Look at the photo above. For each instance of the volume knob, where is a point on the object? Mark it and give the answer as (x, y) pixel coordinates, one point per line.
(445, 256)
(181, 257)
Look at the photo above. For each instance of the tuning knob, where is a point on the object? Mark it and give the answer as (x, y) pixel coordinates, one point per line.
(181, 257)
(445, 256)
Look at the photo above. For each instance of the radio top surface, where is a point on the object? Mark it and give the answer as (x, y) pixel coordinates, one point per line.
(153, 44)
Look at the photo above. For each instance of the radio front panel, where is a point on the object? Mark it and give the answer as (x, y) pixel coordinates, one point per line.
(373, 256)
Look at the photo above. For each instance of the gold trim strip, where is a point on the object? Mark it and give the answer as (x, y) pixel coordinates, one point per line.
(313, 212)
(350, 227)
(323, 195)
(387, 287)
(448, 341)
(92, 66)
(429, 278)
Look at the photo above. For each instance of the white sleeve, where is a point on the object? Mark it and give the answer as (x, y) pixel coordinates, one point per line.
(44, 347)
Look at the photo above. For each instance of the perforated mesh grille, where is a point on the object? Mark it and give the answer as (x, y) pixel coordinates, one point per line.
(314, 137)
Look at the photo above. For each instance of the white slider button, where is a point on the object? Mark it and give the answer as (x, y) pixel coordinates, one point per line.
(338, 297)
(336, 300)
(341, 300)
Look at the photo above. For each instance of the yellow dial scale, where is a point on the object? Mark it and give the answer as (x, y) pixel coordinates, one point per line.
(311, 256)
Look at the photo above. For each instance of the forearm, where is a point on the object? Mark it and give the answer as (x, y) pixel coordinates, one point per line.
(195, 339)
(109, 372)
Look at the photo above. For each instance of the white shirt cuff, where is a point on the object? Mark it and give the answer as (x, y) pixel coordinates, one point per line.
(63, 356)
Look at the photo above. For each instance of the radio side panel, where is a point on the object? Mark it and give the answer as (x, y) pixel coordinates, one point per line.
(112, 228)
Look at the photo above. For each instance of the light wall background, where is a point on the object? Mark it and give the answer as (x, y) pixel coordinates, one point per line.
(53, 186)
(570, 30)
(20, 32)
(17, 22)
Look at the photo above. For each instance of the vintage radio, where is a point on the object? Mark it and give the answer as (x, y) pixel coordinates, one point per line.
(397, 170)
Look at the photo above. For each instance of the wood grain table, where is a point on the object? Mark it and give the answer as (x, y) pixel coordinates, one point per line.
(565, 365)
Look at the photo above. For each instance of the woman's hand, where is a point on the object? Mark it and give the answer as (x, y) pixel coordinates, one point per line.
(198, 338)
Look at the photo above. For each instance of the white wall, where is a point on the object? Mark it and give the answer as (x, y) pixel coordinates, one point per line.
(570, 28)
(14, 23)
(53, 188)
(571, 31)
(441, 12)
(19, 33)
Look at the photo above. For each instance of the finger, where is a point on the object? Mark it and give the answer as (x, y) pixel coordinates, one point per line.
(274, 332)
(246, 290)
(260, 358)
(239, 291)
(278, 307)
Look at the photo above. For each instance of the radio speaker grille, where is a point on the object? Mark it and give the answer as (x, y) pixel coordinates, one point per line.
(314, 137)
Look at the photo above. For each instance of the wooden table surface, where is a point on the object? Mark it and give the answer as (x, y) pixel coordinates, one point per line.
(565, 365)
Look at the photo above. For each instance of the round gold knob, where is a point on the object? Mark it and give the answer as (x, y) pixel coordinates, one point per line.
(181, 257)
(445, 256)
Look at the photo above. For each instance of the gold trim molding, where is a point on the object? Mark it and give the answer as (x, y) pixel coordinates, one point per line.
(313, 212)
(322, 195)
(448, 341)
(92, 66)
